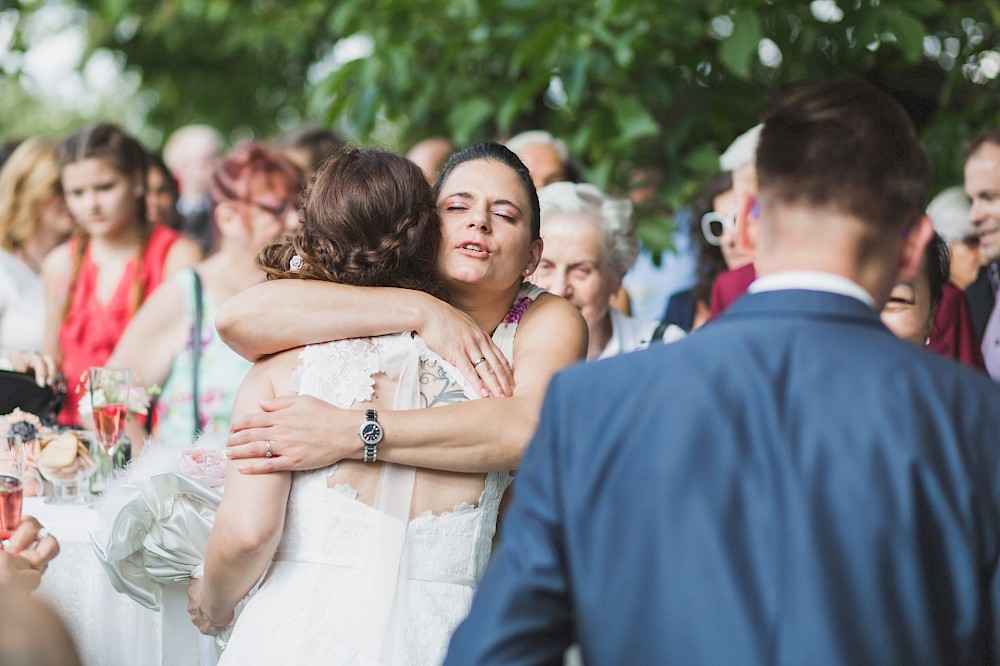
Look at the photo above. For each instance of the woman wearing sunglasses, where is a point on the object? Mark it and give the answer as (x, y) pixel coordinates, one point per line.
(713, 232)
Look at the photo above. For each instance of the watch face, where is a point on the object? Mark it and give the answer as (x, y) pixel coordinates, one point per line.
(371, 432)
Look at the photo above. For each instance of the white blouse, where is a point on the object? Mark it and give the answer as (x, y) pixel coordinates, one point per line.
(22, 306)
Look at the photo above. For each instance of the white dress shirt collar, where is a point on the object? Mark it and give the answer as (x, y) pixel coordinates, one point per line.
(812, 281)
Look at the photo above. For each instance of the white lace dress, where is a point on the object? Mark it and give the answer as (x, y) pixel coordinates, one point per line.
(335, 593)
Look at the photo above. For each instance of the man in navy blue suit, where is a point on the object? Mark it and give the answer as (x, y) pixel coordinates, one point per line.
(789, 485)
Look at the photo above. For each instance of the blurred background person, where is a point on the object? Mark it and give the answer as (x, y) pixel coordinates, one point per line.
(190, 152)
(953, 333)
(32, 634)
(949, 212)
(655, 277)
(430, 155)
(909, 312)
(7, 149)
(162, 194)
(307, 146)
(24, 557)
(546, 157)
(254, 190)
(713, 218)
(590, 244)
(33, 221)
(982, 182)
(740, 160)
(96, 281)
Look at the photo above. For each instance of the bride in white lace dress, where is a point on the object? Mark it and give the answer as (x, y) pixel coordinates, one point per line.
(373, 562)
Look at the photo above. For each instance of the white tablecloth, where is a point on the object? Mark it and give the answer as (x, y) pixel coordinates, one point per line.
(110, 629)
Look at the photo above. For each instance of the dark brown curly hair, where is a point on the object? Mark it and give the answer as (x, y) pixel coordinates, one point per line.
(369, 220)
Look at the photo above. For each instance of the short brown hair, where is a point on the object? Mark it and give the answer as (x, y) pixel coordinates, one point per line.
(977, 142)
(369, 220)
(848, 145)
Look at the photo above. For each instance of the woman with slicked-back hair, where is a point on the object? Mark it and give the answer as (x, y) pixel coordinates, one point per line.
(253, 190)
(371, 561)
(95, 282)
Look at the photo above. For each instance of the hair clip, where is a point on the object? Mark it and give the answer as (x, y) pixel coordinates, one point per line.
(296, 263)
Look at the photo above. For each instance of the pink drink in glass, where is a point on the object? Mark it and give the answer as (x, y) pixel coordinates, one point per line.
(11, 494)
(109, 420)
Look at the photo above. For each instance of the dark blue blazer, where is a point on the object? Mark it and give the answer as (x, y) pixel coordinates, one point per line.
(981, 300)
(791, 485)
(680, 310)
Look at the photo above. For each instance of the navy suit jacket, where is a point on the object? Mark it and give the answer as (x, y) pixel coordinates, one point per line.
(789, 485)
(981, 300)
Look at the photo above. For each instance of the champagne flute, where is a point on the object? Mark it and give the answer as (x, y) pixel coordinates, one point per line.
(109, 391)
(11, 484)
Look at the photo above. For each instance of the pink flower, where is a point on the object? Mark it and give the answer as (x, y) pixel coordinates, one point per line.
(7, 421)
(516, 310)
(204, 465)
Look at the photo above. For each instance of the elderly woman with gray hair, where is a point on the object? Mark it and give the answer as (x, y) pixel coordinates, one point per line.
(590, 243)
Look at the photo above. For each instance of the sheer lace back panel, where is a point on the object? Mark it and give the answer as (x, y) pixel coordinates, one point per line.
(365, 373)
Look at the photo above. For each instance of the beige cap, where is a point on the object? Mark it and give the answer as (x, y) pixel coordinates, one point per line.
(949, 213)
(741, 151)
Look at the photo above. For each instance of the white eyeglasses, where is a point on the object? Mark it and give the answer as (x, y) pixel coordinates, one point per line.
(714, 225)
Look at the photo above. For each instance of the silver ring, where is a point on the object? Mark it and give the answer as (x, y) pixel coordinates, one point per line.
(481, 359)
(270, 451)
(43, 533)
(4, 544)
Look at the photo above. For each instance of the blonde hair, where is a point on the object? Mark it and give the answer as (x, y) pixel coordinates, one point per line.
(28, 181)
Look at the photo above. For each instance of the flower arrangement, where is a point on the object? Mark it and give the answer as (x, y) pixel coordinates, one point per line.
(139, 397)
(28, 426)
(205, 465)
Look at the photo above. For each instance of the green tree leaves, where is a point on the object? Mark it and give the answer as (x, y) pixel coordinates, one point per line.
(633, 86)
(740, 47)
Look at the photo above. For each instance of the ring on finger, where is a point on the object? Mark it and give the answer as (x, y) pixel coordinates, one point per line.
(270, 451)
(43, 533)
(4, 544)
(481, 359)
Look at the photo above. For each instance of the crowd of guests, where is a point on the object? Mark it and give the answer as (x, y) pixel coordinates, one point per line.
(262, 291)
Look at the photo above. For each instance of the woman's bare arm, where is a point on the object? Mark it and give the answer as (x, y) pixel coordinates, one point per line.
(474, 436)
(149, 345)
(282, 314)
(248, 525)
(184, 253)
(55, 278)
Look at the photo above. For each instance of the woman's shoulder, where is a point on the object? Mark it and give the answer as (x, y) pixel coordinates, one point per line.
(276, 369)
(552, 320)
(553, 309)
(58, 260)
(173, 250)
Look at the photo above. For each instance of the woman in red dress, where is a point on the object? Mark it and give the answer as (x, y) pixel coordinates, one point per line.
(96, 281)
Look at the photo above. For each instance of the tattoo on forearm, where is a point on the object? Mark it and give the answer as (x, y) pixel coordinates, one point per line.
(437, 388)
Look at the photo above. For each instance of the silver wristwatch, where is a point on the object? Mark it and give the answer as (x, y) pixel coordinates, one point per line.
(371, 434)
